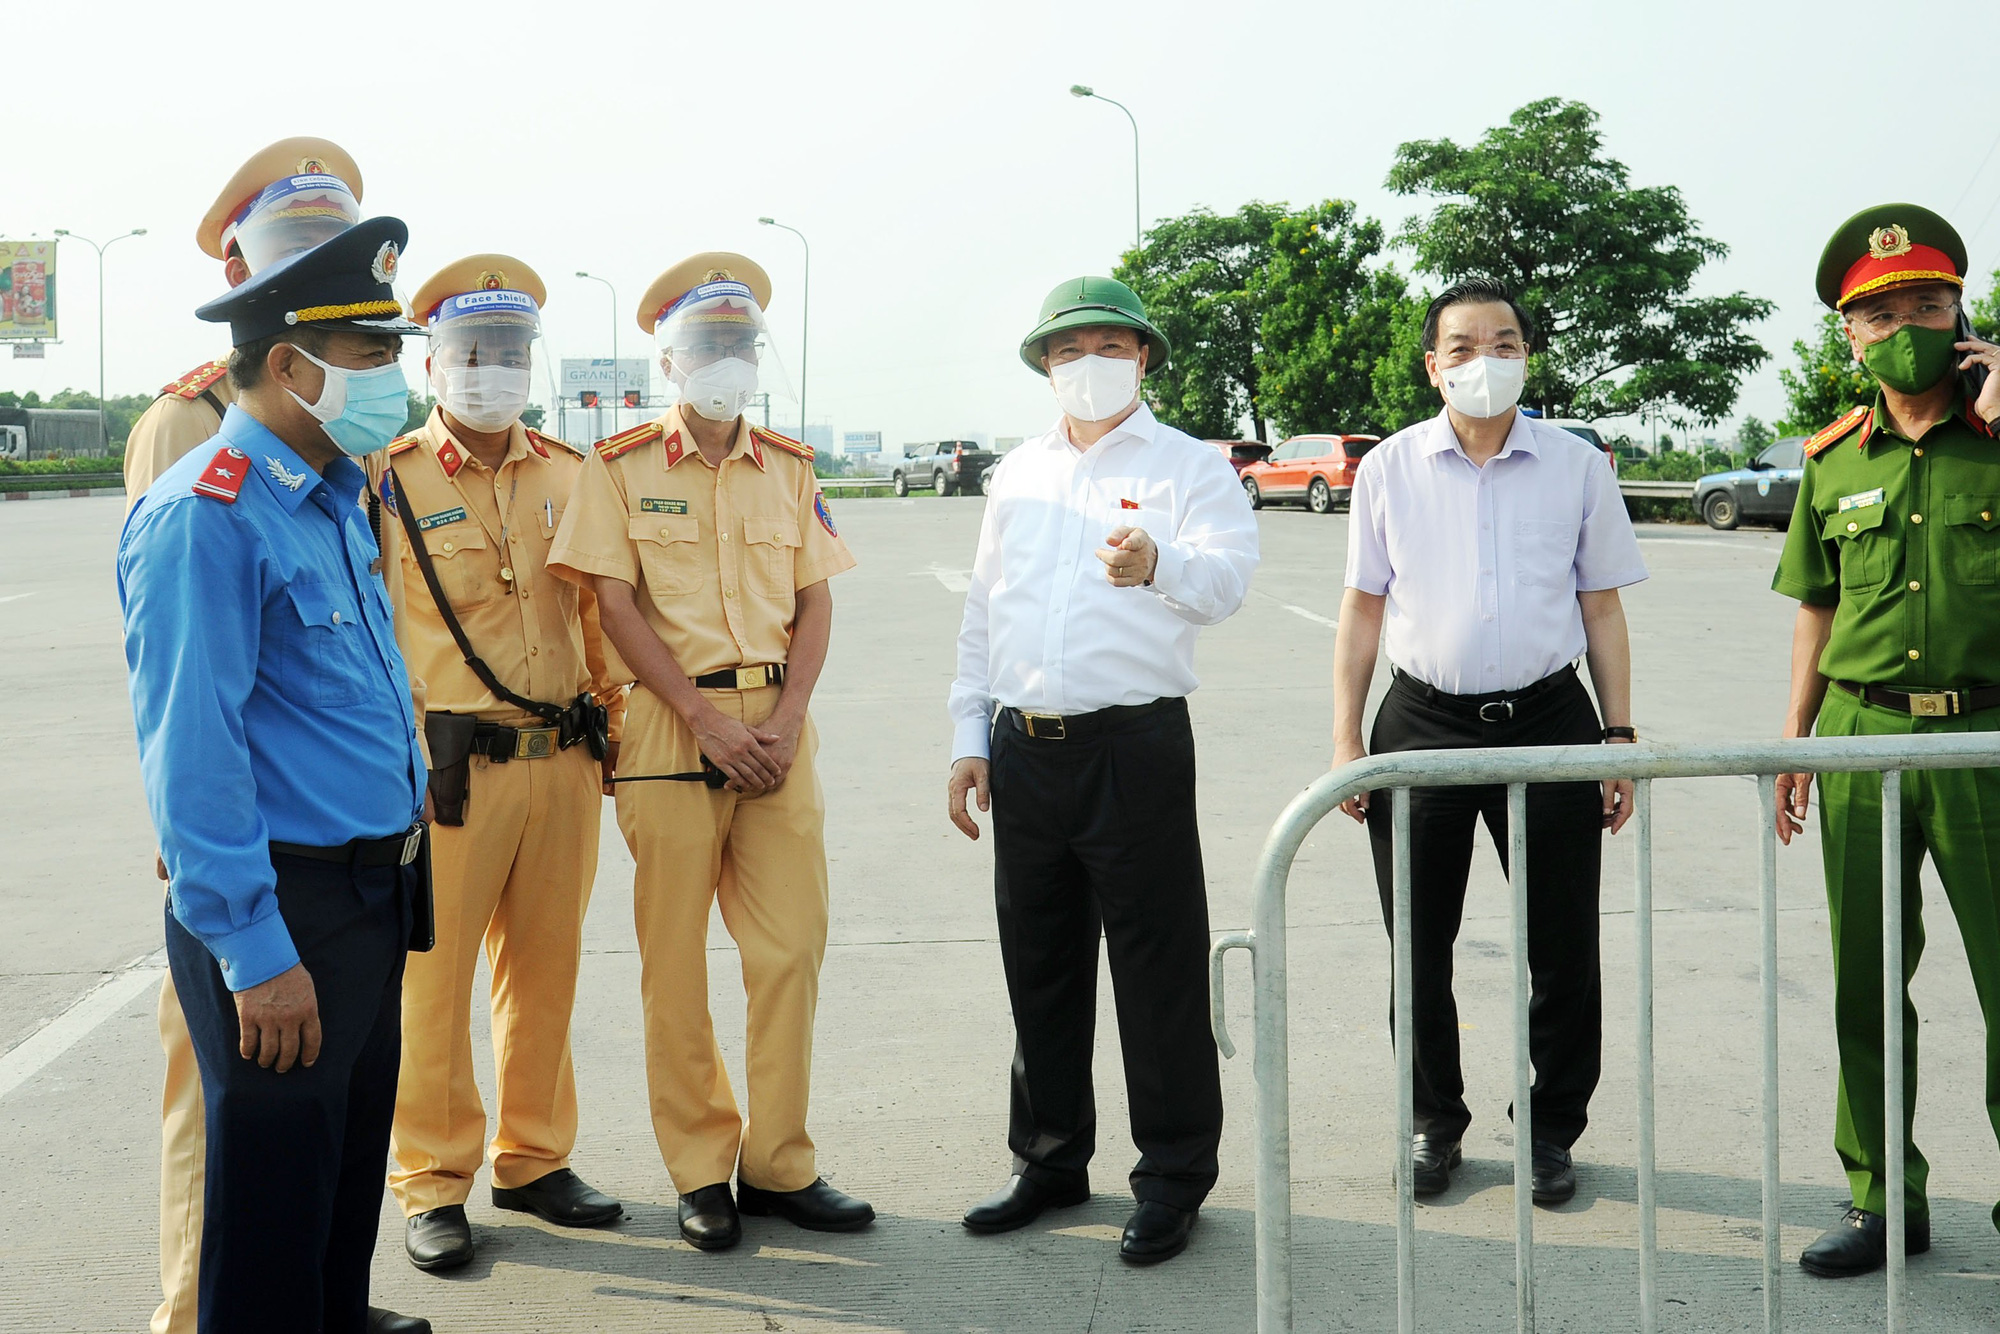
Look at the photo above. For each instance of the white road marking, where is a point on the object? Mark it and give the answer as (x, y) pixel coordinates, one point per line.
(102, 1001)
(1312, 616)
(16, 597)
(954, 581)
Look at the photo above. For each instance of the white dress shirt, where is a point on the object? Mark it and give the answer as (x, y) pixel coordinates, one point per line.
(1481, 566)
(1044, 628)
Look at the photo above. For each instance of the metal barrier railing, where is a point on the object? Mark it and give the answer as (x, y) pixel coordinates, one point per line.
(1265, 942)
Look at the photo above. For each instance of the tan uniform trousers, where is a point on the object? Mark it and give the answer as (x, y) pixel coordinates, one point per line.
(763, 860)
(183, 1170)
(517, 875)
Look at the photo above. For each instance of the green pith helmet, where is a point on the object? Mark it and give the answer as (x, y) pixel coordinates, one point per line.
(1085, 301)
(1886, 246)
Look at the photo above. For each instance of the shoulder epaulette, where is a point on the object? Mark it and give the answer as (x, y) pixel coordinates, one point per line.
(191, 385)
(1855, 417)
(784, 442)
(627, 441)
(541, 441)
(224, 476)
(403, 444)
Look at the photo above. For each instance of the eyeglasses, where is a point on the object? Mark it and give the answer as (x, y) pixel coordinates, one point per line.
(1930, 314)
(1507, 349)
(712, 349)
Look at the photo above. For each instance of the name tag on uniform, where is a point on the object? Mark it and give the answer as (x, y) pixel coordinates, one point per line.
(1861, 500)
(654, 505)
(454, 515)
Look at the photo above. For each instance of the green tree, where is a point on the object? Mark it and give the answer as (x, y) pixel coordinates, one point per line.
(1604, 269)
(533, 416)
(1196, 274)
(1985, 311)
(1328, 317)
(1404, 394)
(420, 411)
(1826, 382)
(1753, 435)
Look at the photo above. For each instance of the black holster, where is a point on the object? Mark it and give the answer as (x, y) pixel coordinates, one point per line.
(588, 721)
(450, 738)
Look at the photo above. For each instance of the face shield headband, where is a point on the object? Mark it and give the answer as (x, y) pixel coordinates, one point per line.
(290, 216)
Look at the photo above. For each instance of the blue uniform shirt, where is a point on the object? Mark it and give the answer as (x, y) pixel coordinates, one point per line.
(271, 700)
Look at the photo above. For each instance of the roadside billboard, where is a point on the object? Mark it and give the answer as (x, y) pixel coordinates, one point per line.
(861, 442)
(598, 375)
(27, 291)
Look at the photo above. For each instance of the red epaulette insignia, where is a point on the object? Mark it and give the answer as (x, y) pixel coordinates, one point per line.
(402, 444)
(1860, 416)
(542, 442)
(675, 449)
(191, 385)
(223, 478)
(784, 442)
(627, 441)
(450, 459)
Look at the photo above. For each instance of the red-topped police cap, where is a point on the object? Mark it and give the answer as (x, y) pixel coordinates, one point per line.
(1889, 245)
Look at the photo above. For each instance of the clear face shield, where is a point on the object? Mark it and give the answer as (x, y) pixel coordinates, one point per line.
(289, 217)
(482, 362)
(715, 349)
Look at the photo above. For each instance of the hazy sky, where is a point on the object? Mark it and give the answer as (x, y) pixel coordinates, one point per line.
(932, 153)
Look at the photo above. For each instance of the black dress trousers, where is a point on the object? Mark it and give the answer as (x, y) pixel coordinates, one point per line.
(1565, 842)
(1096, 835)
(296, 1160)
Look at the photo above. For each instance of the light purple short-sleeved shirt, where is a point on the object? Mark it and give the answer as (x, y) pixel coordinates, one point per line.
(1481, 566)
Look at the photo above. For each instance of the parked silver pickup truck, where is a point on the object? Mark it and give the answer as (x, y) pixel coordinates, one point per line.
(948, 467)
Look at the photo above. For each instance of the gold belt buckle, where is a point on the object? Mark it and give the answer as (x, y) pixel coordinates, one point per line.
(534, 743)
(751, 678)
(1934, 704)
(1058, 731)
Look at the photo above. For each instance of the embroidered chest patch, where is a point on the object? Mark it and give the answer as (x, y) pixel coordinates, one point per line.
(654, 505)
(456, 514)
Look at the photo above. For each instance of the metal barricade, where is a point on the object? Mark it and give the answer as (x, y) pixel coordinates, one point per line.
(1265, 942)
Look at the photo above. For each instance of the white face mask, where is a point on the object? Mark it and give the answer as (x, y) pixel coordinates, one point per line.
(1094, 388)
(1484, 386)
(720, 390)
(485, 398)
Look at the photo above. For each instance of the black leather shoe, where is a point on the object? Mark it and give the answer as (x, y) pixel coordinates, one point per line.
(388, 1322)
(817, 1208)
(1019, 1203)
(438, 1238)
(1156, 1232)
(562, 1197)
(1554, 1174)
(1431, 1158)
(1859, 1244)
(708, 1218)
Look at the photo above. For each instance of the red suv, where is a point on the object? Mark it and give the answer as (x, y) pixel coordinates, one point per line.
(1318, 469)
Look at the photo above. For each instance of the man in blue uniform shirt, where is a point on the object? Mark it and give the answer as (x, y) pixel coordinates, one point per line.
(278, 743)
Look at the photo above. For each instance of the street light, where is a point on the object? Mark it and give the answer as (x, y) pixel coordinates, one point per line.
(805, 315)
(1083, 90)
(617, 396)
(103, 432)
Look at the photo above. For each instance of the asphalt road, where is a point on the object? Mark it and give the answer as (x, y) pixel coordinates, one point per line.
(914, 1037)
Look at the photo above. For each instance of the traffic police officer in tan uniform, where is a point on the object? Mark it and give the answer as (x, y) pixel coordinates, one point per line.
(709, 546)
(1894, 555)
(514, 849)
(287, 198)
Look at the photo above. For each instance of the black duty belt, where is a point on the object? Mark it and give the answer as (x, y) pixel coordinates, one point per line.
(1496, 707)
(1078, 726)
(1927, 703)
(395, 850)
(743, 678)
(500, 743)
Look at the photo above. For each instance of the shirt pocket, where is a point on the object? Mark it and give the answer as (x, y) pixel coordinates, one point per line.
(670, 554)
(771, 548)
(1861, 547)
(322, 662)
(1544, 553)
(1971, 542)
(465, 566)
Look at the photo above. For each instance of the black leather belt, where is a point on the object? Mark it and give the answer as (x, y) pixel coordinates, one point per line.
(1496, 707)
(396, 850)
(1927, 703)
(743, 678)
(1078, 726)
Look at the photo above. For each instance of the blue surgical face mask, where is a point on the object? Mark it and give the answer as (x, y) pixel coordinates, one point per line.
(360, 411)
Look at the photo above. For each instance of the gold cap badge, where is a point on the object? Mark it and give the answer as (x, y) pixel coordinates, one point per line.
(311, 166)
(1888, 242)
(492, 280)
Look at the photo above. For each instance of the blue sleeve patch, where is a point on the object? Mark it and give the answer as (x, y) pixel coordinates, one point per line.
(825, 518)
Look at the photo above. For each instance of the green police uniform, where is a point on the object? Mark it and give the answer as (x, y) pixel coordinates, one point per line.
(1902, 538)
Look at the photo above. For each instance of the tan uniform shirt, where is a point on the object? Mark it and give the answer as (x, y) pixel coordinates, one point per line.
(182, 417)
(538, 633)
(717, 554)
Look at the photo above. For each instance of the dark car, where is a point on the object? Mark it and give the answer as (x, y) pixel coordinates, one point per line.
(948, 467)
(1765, 491)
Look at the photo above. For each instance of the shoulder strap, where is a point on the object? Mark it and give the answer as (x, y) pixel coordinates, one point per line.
(209, 397)
(548, 713)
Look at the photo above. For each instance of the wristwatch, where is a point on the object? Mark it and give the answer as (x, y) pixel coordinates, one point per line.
(1620, 734)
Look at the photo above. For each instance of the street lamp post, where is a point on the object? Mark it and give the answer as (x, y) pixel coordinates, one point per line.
(1083, 90)
(617, 394)
(103, 432)
(805, 327)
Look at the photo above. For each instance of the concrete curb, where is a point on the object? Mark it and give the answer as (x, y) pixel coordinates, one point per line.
(74, 493)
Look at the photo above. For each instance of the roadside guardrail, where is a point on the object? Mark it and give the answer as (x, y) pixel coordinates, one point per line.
(1265, 943)
(1656, 490)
